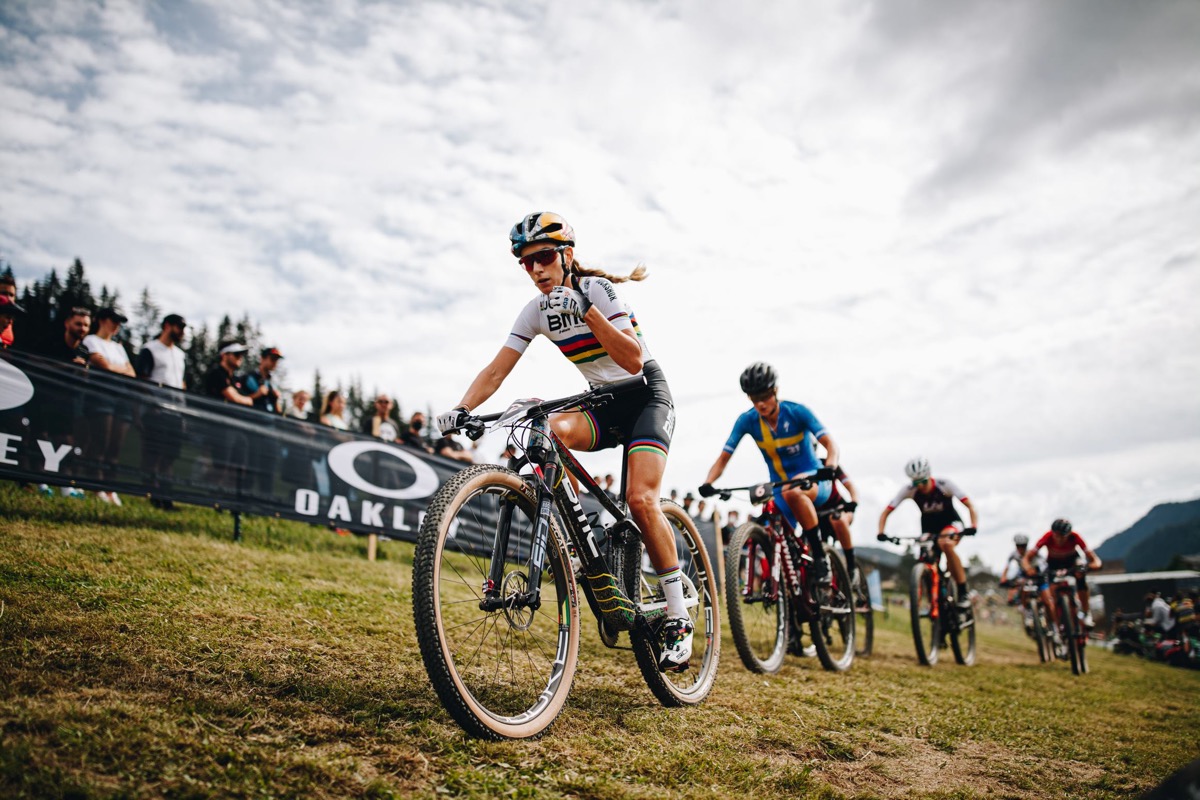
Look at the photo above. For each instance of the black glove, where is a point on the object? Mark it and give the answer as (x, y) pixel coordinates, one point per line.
(969, 531)
(881, 536)
(850, 507)
(706, 490)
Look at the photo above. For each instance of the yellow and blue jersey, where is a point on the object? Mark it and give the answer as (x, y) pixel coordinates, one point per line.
(789, 448)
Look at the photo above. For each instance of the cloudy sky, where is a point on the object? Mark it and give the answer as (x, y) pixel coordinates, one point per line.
(967, 230)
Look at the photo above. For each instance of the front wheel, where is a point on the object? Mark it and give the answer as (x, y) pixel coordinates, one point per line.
(700, 597)
(500, 656)
(1041, 634)
(755, 599)
(923, 609)
(1071, 635)
(833, 626)
(961, 628)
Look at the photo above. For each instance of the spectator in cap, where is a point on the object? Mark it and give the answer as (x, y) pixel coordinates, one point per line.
(9, 310)
(162, 362)
(221, 381)
(258, 386)
(411, 435)
(109, 416)
(688, 499)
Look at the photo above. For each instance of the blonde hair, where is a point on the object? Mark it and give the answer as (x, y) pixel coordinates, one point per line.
(639, 273)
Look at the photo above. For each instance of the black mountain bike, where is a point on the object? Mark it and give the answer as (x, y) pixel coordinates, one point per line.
(1071, 630)
(933, 604)
(771, 591)
(495, 572)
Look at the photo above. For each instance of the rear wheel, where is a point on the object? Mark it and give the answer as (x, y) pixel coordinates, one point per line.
(700, 596)
(961, 628)
(865, 629)
(833, 627)
(1041, 634)
(923, 609)
(501, 665)
(755, 602)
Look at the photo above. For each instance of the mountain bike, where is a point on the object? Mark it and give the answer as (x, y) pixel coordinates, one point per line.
(864, 629)
(1072, 632)
(771, 590)
(933, 604)
(1039, 624)
(497, 561)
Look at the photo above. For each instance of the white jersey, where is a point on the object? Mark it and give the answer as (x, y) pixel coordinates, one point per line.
(168, 364)
(1013, 567)
(112, 351)
(574, 338)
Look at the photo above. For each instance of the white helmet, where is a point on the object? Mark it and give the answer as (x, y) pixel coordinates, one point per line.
(1021, 540)
(917, 469)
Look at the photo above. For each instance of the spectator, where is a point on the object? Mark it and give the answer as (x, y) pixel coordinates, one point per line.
(411, 435)
(300, 408)
(1158, 615)
(9, 309)
(162, 362)
(610, 486)
(509, 453)
(731, 524)
(258, 386)
(450, 447)
(222, 382)
(688, 499)
(380, 424)
(110, 415)
(674, 496)
(333, 410)
(70, 347)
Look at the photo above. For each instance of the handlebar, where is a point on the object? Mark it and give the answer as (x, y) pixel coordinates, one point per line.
(883, 537)
(476, 425)
(761, 492)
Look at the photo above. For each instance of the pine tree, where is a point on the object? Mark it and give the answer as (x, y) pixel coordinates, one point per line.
(146, 322)
(201, 352)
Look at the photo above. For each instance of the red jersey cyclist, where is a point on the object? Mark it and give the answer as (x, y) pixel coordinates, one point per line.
(785, 433)
(578, 310)
(1063, 546)
(935, 497)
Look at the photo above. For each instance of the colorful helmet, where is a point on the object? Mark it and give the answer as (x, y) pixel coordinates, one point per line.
(1021, 540)
(541, 226)
(758, 377)
(1061, 525)
(917, 469)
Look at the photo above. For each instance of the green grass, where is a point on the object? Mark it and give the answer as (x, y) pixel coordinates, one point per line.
(145, 654)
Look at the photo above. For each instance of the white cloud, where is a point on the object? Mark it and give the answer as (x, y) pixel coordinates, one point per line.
(968, 231)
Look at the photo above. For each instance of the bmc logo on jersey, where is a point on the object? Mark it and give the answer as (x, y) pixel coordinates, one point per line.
(563, 322)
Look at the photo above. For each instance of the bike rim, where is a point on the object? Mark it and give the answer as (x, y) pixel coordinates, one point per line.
(757, 604)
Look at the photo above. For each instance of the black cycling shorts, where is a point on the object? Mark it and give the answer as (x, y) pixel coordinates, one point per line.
(641, 420)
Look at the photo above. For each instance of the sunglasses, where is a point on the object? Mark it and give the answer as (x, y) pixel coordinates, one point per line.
(542, 258)
(921, 482)
(761, 397)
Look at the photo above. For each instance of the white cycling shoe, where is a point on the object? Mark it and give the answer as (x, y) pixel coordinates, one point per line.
(1086, 620)
(677, 645)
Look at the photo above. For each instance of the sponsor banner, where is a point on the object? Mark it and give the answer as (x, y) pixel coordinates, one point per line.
(63, 425)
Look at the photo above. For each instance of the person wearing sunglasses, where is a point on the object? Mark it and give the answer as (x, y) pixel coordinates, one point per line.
(786, 434)
(935, 497)
(577, 309)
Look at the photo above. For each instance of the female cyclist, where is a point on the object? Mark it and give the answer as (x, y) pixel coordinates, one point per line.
(579, 311)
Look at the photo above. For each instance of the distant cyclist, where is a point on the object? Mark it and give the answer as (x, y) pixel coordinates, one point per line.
(1013, 576)
(935, 497)
(578, 310)
(1063, 546)
(785, 433)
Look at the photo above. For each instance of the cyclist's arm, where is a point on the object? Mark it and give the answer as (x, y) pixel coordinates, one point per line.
(622, 345)
(832, 453)
(718, 467)
(850, 490)
(966, 501)
(887, 512)
(1027, 560)
(489, 379)
(1094, 562)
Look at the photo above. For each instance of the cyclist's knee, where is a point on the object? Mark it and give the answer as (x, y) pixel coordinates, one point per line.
(642, 502)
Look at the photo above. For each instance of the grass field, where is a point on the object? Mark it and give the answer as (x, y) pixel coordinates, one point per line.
(144, 654)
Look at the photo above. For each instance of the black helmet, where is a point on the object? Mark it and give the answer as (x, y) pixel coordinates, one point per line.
(1061, 525)
(540, 226)
(758, 377)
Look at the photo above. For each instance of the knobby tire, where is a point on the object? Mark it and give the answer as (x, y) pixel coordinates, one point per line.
(758, 619)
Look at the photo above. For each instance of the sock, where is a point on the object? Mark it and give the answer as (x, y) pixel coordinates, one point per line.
(671, 581)
(849, 551)
(813, 537)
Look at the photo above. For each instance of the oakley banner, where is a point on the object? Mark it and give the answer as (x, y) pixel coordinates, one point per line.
(63, 425)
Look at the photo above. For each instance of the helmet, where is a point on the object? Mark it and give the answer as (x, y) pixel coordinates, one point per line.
(541, 226)
(917, 469)
(758, 377)
(1061, 525)
(1021, 540)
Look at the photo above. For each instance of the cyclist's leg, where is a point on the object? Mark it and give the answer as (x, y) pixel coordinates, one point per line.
(947, 541)
(841, 529)
(575, 430)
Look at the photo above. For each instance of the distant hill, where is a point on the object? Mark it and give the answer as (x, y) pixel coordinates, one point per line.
(1168, 530)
